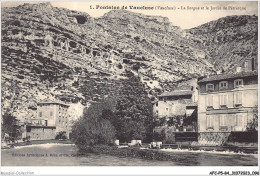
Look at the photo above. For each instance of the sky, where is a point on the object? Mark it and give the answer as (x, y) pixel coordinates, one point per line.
(193, 15)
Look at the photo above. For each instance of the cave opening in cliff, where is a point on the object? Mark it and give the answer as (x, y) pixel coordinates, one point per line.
(81, 19)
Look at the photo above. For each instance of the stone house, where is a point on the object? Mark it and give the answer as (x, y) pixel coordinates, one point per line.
(52, 118)
(180, 103)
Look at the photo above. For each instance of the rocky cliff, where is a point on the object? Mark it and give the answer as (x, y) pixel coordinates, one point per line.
(228, 41)
(70, 56)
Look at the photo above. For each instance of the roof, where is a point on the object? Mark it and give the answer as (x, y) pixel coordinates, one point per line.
(184, 87)
(176, 93)
(191, 104)
(228, 76)
(47, 101)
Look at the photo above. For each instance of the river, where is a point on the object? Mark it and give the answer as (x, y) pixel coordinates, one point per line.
(66, 155)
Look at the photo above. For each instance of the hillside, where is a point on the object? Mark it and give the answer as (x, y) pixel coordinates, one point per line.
(228, 41)
(70, 56)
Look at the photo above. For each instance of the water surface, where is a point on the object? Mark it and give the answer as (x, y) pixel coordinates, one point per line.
(66, 155)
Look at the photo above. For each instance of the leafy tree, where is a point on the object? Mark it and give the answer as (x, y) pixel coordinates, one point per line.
(9, 126)
(253, 124)
(159, 136)
(92, 128)
(126, 116)
(134, 117)
(172, 121)
(162, 121)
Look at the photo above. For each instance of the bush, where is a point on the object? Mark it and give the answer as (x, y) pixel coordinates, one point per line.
(159, 136)
(61, 135)
(92, 129)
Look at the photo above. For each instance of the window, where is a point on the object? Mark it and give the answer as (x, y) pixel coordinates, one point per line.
(167, 109)
(209, 100)
(40, 114)
(223, 85)
(210, 121)
(238, 98)
(222, 120)
(239, 120)
(209, 87)
(156, 104)
(51, 113)
(223, 99)
(238, 82)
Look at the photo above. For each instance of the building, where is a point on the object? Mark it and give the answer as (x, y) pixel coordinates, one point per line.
(52, 119)
(227, 102)
(180, 101)
(174, 102)
(180, 104)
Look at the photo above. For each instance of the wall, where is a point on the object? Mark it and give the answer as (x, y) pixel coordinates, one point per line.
(175, 107)
(46, 110)
(62, 120)
(213, 138)
(59, 116)
(249, 102)
(41, 133)
(249, 98)
(247, 81)
(230, 138)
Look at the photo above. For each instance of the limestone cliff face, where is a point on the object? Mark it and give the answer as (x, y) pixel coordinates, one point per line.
(70, 56)
(228, 41)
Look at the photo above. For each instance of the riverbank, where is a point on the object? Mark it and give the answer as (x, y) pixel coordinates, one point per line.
(134, 152)
(37, 142)
(211, 151)
(155, 154)
(58, 154)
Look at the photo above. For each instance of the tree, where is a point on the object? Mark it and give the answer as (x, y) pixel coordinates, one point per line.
(10, 126)
(92, 128)
(253, 124)
(162, 121)
(134, 114)
(159, 136)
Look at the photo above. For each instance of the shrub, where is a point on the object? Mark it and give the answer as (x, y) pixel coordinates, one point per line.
(92, 129)
(61, 135)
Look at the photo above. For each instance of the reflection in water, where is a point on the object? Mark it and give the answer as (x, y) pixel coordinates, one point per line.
(66, 155)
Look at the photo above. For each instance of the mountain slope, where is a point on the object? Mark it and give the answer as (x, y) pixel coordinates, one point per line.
(70, 56)
(229, 41)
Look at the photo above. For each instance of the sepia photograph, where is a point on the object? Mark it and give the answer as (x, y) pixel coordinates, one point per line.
(136, 83)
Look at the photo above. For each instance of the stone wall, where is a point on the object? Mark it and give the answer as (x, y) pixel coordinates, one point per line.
(40, 133)
(227, 138)
(213, 138)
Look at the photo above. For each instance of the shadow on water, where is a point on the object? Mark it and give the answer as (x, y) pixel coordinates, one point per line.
(67, 155)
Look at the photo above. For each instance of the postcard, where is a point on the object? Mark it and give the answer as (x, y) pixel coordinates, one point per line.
(137, 83)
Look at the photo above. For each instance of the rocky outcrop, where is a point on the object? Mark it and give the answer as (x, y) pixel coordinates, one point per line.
(68, 55)
(228, 41)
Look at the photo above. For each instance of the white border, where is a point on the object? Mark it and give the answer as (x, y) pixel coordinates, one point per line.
(129, 170)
